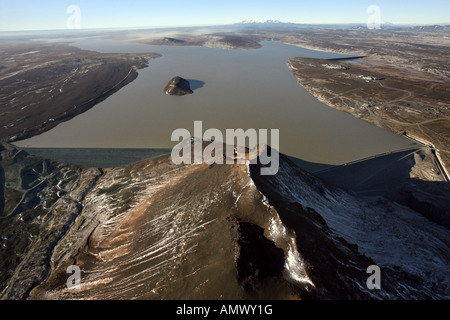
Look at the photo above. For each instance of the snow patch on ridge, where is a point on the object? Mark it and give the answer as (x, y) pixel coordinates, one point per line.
(294, 267)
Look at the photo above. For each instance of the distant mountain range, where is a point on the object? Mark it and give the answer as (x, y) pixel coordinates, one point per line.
(430, 28)
(257, 21)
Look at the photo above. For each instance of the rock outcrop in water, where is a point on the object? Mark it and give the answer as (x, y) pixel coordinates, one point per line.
(155, 230)
(178, 87)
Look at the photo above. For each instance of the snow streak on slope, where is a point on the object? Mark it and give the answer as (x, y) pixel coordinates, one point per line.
(295, 269)
(161, 231)
(155, 230)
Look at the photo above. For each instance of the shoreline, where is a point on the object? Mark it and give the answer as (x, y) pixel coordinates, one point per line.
(320, 84)
(34, 90)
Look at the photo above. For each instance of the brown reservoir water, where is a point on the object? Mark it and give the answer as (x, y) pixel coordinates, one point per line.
(232, 89)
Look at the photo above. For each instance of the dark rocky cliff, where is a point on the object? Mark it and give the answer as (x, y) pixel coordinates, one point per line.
(178, 86)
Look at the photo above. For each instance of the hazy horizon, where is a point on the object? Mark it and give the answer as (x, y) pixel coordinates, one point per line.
(27, 15)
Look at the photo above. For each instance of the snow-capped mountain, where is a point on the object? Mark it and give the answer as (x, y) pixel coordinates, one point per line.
(255, 21)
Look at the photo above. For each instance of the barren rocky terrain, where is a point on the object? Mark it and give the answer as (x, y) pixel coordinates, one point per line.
(155, 230)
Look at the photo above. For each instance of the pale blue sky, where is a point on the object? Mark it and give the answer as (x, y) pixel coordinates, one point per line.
(52, 14)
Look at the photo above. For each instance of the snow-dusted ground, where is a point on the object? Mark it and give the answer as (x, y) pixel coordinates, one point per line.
(391, 234)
